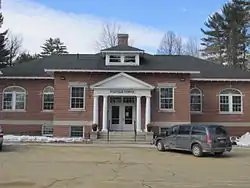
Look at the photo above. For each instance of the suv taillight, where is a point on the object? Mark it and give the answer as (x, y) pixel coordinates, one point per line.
(208, 139)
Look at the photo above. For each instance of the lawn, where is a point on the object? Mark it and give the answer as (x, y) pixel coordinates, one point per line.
(106, 167)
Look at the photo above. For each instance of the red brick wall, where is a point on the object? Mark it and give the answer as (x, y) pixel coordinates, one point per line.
(62, 92)
(20, 129)
(211, 109)
(34, 100)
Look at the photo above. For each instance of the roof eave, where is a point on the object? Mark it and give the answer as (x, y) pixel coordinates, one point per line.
(116, 71)
(222, 79)
(27, 77)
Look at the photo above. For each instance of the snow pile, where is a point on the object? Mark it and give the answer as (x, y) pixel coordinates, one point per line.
(40, 139)
(244, 140)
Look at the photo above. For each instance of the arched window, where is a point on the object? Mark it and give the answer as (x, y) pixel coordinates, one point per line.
(48, 98)
(230, 101)
(195, 100)
(14, 98)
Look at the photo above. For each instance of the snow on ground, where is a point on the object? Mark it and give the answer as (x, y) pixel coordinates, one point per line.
(244, 140)
(40, 139)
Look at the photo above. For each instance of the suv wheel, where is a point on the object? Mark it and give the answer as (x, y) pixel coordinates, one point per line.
(160, 146)
(196, 150)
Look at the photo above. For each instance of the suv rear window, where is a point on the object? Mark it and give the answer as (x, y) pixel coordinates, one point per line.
(217, 130)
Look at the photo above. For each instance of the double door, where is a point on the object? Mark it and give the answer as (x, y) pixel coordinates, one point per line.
(122, 117)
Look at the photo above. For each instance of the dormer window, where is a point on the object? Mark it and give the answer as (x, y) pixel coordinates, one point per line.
(130, 59)
(123, 59)
(114, 58)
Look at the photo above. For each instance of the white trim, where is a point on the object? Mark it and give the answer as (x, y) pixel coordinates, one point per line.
(125, 75)
(201, 99)
(13, 102)
(72, 123)
(25, 122)
(26, 78)
(159, 101)
(230, 102)
(121, 52)
(168, 123)
(84, 98)
(221, 79)
(117, 71)
(122, 60)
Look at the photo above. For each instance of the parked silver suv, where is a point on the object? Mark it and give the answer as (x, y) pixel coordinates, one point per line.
(1, 139)
(199, 139)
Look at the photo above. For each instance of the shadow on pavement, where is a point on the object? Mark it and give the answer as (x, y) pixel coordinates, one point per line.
(14, 148)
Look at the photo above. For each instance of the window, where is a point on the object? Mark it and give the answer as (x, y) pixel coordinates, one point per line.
(76, 131)
(48, 98)
(230, 101)
(77, 98)
(14, 98)
(114, 58)
(166, 98)
(195, 100)
(184, 129)
(47, 130)
(198, 130)
(129, 59)
(173, 130)
(217, 130)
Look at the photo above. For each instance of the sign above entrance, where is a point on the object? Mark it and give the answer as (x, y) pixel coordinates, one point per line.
(122, 91)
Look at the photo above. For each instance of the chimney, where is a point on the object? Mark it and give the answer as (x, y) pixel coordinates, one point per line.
(122, 39)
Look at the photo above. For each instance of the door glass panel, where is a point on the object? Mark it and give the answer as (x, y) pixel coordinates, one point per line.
(115, 114)
(128, 114)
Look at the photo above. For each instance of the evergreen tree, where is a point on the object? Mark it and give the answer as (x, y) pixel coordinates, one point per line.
(227, 37)
(53, 47)
(4, 53)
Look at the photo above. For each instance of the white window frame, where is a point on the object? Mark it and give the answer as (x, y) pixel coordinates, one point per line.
(201, 99)
(14, 99)
(48, 93)
(84, 97)
(230, 101)
(159, 96)
(122, 62)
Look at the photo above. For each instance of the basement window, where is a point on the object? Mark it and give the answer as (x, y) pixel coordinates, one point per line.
(76, 131)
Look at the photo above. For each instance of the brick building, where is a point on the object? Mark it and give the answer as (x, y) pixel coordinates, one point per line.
(121, 88)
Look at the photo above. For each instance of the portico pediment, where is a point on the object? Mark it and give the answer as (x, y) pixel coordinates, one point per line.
(122, 80)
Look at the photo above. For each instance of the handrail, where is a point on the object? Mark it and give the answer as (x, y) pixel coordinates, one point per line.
(135, 130)
(108, 131)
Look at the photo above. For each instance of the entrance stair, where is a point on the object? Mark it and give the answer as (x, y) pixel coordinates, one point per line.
(123, 138)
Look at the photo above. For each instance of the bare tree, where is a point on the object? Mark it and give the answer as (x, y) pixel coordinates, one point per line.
(108, 37)
(14, 44)
(192, 47)
(171, 44)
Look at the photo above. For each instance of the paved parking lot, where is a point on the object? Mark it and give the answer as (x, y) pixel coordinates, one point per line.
(100, 167)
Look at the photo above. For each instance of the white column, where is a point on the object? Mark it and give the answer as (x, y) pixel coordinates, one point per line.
(95, 110)
(138, 114)
(105, 114)
(147, 113)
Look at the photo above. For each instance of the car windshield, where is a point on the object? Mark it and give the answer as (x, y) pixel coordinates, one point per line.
(217, 130)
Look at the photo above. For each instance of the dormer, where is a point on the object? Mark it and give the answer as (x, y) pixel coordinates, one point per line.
(122, 54)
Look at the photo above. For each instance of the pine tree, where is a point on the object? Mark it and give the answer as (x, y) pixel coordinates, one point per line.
(227, 40)
(214, 42)
(53, 47)
(3, 50)
(25, 57)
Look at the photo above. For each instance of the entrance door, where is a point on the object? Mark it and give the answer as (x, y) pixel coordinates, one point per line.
(128, 117)
(115, 117)
(122, 117)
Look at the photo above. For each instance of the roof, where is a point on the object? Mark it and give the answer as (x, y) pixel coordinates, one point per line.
(148, 63)
(122, 48)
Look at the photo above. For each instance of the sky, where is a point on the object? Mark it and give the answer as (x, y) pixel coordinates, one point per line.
(78, 23)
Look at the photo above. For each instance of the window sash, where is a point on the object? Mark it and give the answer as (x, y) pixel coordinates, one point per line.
(48, 101)
(76, 131)
(77, 101)
(195, 102)
(16, 102)
(166, 98)
(229, 104)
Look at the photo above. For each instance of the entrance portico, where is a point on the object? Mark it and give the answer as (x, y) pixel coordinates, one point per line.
(122, 95)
